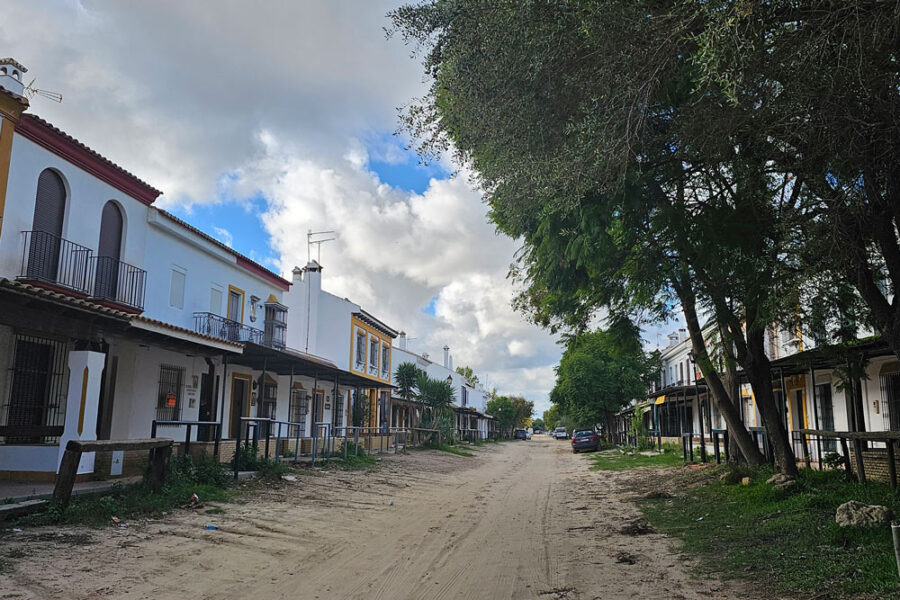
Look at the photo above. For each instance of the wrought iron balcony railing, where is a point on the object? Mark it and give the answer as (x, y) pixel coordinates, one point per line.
(51, 259)
(116, 281)
(226, 329)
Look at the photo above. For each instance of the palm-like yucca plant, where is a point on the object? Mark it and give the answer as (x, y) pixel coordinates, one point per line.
(406, 378)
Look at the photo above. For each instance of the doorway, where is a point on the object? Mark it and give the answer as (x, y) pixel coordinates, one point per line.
(240, 402)
(208, 395)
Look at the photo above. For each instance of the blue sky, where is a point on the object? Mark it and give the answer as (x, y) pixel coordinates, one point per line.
(260, 124)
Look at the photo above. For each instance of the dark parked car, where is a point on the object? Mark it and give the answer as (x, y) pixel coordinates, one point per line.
(585, 439)
(520, 434)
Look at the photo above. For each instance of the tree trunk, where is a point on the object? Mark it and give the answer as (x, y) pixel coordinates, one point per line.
(738, 433)
(759, 373)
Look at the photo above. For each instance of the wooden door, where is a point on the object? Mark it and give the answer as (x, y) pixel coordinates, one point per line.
(240, 402)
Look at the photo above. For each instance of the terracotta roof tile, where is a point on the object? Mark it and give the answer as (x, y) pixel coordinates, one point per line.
(27, 289)
(184, 330)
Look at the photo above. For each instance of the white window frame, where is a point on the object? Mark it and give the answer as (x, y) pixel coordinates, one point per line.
(360, 365)
(177, 302)
(373, 356)
(385, 364)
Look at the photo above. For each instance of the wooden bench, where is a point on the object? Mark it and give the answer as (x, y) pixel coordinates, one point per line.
(68, 468)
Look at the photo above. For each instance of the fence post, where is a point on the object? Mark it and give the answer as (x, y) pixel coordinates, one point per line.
(315, 436)
(860, 466)
(847, 465)
(892, 464)
(805, 449)
(159, 464)
(68, 469)
(187, 440)
(218, 426)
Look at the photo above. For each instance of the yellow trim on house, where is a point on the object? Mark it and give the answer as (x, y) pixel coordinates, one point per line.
(372, 334)
(8, 117)
(232, 288)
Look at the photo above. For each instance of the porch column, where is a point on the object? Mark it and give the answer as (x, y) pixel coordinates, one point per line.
(82, 403)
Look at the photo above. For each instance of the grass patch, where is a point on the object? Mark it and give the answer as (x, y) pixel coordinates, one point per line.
(453, 450)
(617, 460)
(215, 510)
(357, 458)
(204, 477)
(782, 540)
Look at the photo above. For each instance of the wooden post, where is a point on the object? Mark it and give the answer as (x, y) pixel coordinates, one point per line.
(847, 466)
(65, 480)
(860, 466)
(159, 466)
(805, 447)
(892, 464)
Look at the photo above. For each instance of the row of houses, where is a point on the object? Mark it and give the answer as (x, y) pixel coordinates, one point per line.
(116, 317)
(839, 388)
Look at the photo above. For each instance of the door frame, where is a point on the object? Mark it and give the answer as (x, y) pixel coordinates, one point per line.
(249, 379)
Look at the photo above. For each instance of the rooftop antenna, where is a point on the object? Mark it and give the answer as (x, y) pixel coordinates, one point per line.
(310, 235)
(32, 91)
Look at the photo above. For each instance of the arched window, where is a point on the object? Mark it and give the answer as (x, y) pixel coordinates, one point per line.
(108, 251)
(45, 242)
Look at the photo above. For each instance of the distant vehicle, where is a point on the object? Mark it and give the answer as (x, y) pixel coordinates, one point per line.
(585, 439)
(560, 433)
(538, 431)
(520, 434)
(527, 434)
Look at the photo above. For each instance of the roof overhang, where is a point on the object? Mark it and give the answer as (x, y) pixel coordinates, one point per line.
(299, 364)
(166, 333)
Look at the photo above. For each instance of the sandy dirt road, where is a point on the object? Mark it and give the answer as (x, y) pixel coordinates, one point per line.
(518, 520)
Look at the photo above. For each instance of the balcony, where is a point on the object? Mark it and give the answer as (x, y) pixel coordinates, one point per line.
(50, 259)
(226, 329)
(116, 281)
(57, 262)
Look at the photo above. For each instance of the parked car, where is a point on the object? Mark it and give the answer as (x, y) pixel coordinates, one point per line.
(560, 433)
(527, 434)
(585, 439)
(520, 434)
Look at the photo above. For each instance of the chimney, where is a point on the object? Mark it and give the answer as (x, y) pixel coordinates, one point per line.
(11, 76)
(451, 363)
(446, 356)
(682, 334)
(312, 275)
(402, 340)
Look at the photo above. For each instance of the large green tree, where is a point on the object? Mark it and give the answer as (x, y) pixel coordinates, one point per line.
(600, 373)
(579, 120)
(815, 84)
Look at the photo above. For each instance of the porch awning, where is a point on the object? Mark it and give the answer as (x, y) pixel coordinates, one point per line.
(287, 361)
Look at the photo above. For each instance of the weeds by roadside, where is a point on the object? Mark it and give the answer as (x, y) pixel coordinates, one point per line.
(268, 468)
(204, 477)
(619, 459)
(786, 541)
(453, 450)
(357, 458)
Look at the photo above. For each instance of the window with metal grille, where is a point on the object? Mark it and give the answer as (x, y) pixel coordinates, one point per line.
(37, 394)
(269, 401)
(337, 415)
(168, 398)
(298, 409)
(826, 414)
(890, 393)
